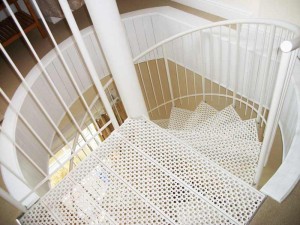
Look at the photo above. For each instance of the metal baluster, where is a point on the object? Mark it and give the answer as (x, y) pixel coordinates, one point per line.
(236, 76)
(220, 63)
(211, 56)
(229, 62)
(252, 67)
(185, 74)
(203, 66)
(259, 69)
(266, 72)
(176, 68)
(168, 73)
(245, 62)
(158, 70)
(149, 72)
(140, 71)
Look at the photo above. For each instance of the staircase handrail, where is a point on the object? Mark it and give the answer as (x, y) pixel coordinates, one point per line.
(280, 23)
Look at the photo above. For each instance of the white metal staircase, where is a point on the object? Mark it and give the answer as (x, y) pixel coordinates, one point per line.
(198, 167)
(142, 174)
(219, 135)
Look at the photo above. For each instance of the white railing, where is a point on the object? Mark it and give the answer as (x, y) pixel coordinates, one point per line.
(176, 71)
(17, 175)
(32, 129)
(239, 61)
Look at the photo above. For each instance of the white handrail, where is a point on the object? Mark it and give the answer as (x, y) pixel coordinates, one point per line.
(295, 29)
(262, 63)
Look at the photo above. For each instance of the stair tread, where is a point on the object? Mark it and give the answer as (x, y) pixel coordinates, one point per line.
(192, 167)
(245, 129)
(223, 117)
(144, 175)
(201, 114)
(178, 118)
(238, 156)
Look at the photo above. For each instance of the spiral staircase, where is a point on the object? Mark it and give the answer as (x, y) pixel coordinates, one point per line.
(176, 159)
(221, 136)
(196, 166)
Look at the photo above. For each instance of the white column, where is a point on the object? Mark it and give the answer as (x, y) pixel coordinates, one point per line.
(111, 34)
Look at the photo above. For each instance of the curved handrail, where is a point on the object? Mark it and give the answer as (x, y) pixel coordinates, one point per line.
(279, 23)
(263, 56)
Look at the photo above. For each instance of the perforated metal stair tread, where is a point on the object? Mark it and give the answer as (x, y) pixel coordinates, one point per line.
(223, 117)
(143, 175)
(201, 114)
(195, 170)
(178, 118)
(238, 156)
(244, 129)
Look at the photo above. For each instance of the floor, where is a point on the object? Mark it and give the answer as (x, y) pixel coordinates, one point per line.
(271, 212)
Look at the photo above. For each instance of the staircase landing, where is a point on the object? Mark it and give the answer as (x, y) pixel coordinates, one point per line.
(143, 175)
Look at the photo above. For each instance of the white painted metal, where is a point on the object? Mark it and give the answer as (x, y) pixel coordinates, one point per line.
(64, 62)
(267, 70)
(178, 118)
(115, 47)
(33, 190)
(45, 72)
(233, 145)
(288, 46)
(24, 153)
(226, 116)
(263, 47)
(185, 61)
(107, 183)
(201, 113)
(173, 156)
(168, 73)
(237, 64)
(87, 59)
(284, 90)
(29, 126)
(272, 120)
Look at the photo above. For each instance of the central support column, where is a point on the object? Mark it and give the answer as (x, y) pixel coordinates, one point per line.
(109, 28)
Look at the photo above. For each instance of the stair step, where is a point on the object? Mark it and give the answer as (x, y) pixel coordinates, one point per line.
(200, 174)
(178, 118)
(223, 117)
(238, 156)
(245, 129)
(201, 114)
(143, 175)
(164, 123)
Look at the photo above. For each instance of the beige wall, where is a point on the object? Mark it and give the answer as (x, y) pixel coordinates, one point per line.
(288, 10)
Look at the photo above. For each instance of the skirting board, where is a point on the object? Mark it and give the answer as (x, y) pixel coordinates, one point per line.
(217, 8)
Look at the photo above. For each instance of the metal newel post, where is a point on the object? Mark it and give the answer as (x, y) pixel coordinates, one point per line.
(274, 110)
